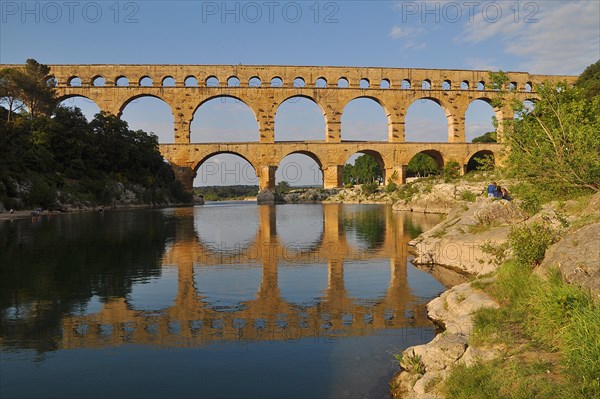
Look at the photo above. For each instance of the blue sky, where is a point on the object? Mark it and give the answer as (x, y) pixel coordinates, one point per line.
(553, 37)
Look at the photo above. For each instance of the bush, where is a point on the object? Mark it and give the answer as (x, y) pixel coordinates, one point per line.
(369, 188)
(530, 243)
(451, 170)
(391, 187)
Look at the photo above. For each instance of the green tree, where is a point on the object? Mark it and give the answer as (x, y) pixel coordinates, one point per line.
(365, 170)
(589, 80)
(422, 165)
(557, 144)
(11, 91)
(488, 137)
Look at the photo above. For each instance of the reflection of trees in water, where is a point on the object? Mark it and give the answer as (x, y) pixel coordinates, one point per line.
(55, 268)
(369, 225)
(411, 228)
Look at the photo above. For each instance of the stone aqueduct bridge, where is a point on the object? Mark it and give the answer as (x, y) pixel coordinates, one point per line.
(264, 88)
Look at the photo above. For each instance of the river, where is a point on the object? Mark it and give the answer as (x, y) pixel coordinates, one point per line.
(225, 300)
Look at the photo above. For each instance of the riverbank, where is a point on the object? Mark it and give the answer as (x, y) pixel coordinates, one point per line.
(500, 321)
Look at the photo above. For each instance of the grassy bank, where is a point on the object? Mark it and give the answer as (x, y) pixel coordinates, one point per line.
(549, 332)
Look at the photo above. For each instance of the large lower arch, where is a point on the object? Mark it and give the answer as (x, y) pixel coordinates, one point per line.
(225, 168)
(481, 160)
(351, 175)
(435, 155)
(149, 113)
(428, 120)
(222, 119)
(300, 118)
(300, 168)
(366, 119)
(88, 107)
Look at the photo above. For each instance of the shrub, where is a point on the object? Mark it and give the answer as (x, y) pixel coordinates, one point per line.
(529, 243)
(451, 170)
(369, 188)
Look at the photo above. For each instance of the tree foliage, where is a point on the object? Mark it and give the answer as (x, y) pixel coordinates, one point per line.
(52, 150)
(423, 165)
(488, 137)
(557, 144)
(589, 80)
(30, 87)
(365, 170)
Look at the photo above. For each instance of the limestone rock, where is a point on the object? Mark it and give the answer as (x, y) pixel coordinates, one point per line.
(577, 257)
(474, 355)
(265, 197)
(459, 241)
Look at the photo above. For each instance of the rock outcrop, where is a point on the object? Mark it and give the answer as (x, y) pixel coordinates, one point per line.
(425, 367)
(577, 257)
(465, 240)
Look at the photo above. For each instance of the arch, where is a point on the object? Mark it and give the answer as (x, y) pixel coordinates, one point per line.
(229, 237)
(190, 81)
(233, 81)
(51, 81)
(480, 160)
(295, 169)
(321, 82)
(299, 82)
(385, 84)
(427, 120)
(478, 118)
(146, 81)
(122, 81)
(464, 85)
(168, 81)
(223, 118)
(481, 85)
(88, 107)
(225, 168)
(425, 163)
(74, 81)
(364, 83)
(343, 83)
(528, 87)
(512, 86)
(276, 81)
(98, 81)
(254, 82)
(300, 229)
(365, 118)
(150, 113)
(296, 119)
(426, 84)
(351, 176)
(212, 81)
(405, 84)
(446, 85)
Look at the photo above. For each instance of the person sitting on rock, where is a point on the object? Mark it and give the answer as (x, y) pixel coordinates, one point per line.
(491, 190)
(498, 192)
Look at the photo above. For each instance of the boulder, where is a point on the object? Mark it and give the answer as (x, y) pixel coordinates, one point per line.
(266, 197)
(577, 257)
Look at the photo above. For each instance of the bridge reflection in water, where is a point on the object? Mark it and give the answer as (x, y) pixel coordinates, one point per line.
(207, 308)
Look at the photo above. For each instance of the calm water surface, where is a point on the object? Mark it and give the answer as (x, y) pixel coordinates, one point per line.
(227, 300)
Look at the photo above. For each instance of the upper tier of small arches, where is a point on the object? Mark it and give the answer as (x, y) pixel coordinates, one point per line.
(287, 77)
(276, 81)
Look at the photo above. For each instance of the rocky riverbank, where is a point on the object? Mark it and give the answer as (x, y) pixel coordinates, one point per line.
(473, 240)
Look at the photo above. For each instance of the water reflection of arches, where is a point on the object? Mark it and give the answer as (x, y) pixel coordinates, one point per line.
(197, 316)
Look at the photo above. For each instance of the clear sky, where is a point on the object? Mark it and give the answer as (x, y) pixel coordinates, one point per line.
(548, 37)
